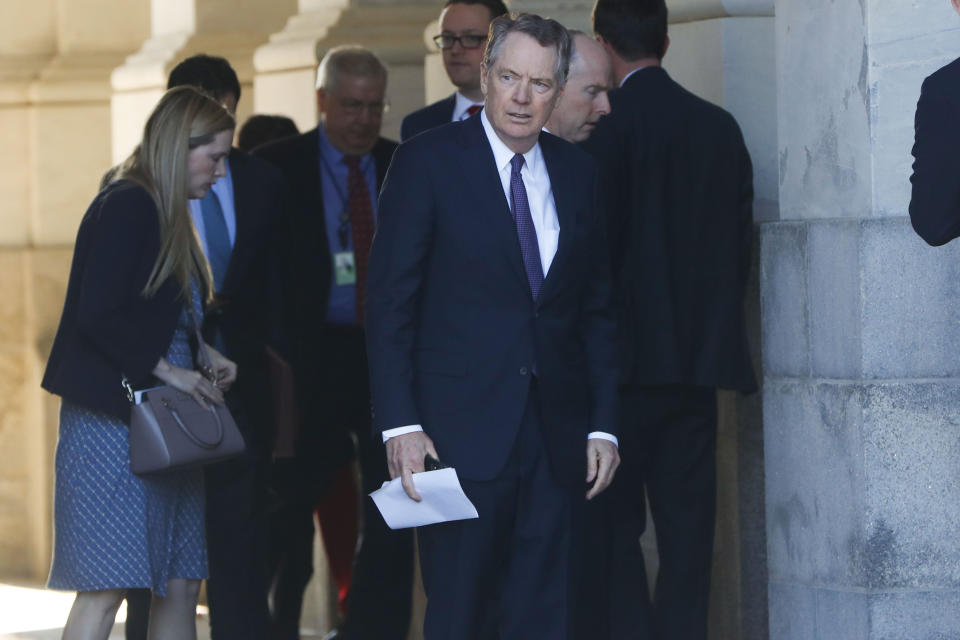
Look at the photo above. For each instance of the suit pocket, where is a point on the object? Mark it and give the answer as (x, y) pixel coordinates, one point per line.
(440, 363)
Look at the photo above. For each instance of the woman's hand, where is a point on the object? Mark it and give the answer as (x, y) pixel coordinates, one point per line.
(192, 382)
(224, 370)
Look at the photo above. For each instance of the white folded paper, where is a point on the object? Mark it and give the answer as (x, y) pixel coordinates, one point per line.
(443, 500)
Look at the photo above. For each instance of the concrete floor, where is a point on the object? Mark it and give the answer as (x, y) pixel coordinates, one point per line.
(34, 613)
(30, 612)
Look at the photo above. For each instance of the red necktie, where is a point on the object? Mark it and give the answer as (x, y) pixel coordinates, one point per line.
(472, 109)
(361, 226)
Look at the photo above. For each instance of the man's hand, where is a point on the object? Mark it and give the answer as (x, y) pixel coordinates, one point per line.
(405, 457)
(602, 461)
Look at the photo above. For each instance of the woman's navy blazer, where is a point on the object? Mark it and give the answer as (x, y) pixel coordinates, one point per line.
(108, 329)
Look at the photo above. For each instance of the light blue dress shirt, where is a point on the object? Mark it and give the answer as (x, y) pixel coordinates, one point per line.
(224, 190)
(342, 308)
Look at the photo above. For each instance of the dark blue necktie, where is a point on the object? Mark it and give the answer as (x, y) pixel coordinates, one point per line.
(218, 238)
(520, 208)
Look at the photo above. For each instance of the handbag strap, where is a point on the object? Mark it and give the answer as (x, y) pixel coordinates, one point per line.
(203, 355)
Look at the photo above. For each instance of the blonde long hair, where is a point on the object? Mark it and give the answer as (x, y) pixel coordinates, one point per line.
(183, 120)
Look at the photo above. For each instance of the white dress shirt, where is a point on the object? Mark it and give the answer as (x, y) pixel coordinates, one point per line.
(460, 107)
(543, 210)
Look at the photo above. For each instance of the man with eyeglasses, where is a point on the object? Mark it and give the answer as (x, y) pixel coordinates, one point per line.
(463, 36)
(333, 174)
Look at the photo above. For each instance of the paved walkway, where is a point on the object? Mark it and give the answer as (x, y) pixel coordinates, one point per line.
(30, 612)
(34, 613)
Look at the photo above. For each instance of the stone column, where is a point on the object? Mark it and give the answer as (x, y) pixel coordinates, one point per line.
(286, 66)
(179, 29)
(860, 335)
(55, 61)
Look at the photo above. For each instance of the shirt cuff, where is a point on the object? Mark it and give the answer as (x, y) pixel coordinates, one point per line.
(400, 431)
(600, 435)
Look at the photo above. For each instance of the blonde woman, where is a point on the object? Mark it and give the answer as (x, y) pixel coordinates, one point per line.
(136, 269)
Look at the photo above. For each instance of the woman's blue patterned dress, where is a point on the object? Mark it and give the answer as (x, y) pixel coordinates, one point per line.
(115, 530)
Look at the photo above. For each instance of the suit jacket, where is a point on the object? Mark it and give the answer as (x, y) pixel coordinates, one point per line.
(309, 267)
(430, 116)
(453, 334)
(935, 201)
(677, 190)
(248, 302)
(108, 330)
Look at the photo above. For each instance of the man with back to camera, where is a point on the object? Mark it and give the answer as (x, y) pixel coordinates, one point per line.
(238, 222)
(491, 342)
(935, 198)
(334, 173)
(463, 35)
(677, 190)
(584, 99)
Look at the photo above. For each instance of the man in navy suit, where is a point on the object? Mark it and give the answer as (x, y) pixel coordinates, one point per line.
(676, 185)
(935, 201)
(491, 342)
(334, 173)
(463, 34)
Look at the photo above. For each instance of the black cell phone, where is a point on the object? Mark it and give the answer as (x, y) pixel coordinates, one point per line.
(431, 464)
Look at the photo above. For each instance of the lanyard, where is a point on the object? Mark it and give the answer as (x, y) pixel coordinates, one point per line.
(343, 231)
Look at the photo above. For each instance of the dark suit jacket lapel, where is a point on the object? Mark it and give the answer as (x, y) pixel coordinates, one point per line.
(310, 166)
(313, 225)
(563, 186)
(449, 105)
(241, 215)
(382, 154)
(480, 171)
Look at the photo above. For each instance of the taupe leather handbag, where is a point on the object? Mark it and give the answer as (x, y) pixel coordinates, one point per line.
(169, 430)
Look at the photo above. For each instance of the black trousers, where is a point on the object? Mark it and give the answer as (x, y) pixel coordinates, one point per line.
(380, 596)
(506, 574)
(236, 538)
(138, 614)
(668, 443)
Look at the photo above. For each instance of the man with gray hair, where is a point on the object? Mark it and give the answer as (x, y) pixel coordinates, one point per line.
(334, 173)
(490, 337)
(584, 100)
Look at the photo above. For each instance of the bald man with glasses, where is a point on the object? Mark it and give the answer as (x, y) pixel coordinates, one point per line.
(463, 36)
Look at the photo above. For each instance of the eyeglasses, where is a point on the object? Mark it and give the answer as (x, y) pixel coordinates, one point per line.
(467, 42)
(356, 107)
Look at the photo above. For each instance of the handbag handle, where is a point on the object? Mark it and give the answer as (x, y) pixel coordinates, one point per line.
(200, 442)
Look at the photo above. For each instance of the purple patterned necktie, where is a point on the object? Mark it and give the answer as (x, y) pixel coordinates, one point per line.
(520, 209)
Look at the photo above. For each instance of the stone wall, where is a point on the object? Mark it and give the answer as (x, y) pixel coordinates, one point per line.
(55, 63)
(860, 333)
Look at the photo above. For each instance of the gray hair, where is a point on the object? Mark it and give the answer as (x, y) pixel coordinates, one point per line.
(351, 60)
(546, 31)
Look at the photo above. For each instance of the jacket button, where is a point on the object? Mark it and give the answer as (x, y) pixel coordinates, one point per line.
(523, 371)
